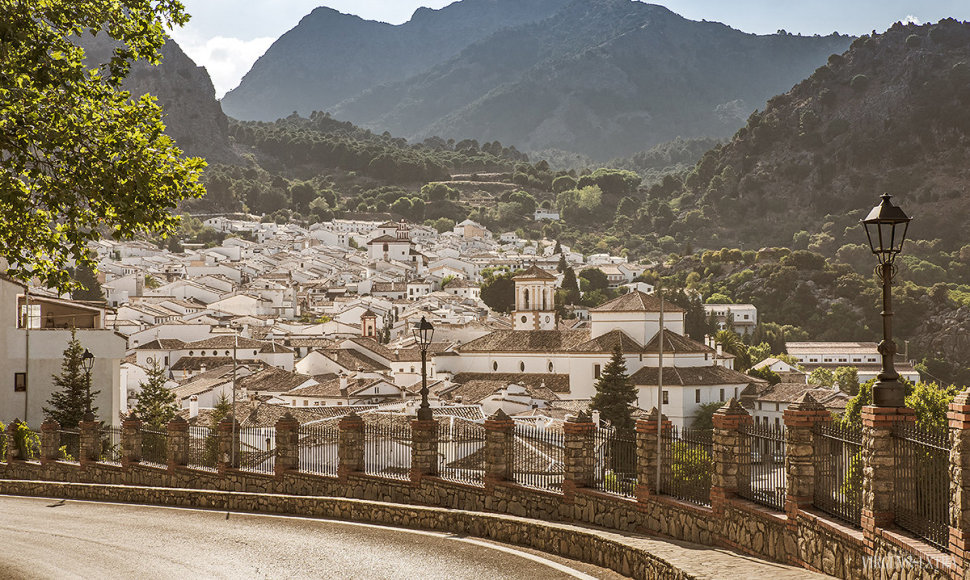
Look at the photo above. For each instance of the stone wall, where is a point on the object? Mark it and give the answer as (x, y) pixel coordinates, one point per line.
(799, 535)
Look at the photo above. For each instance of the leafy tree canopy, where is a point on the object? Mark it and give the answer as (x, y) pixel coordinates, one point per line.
(81, 159)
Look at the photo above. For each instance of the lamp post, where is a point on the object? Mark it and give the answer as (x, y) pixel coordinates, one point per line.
(886, 227)
(87, 361)
(422, 334)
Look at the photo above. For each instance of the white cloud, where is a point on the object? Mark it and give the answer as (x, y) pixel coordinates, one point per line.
(227, 59)
(910, 19)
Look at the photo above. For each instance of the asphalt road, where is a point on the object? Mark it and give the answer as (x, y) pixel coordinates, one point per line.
(45, 538)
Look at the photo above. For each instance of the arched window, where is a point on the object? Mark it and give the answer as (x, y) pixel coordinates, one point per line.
(544, 300)
(525, 296)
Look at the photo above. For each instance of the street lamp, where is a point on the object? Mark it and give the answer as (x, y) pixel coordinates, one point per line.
(423, 332)
(87, 361)
(886, 227)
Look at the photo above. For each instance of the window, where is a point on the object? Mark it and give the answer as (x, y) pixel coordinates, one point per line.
(521, 366)
(385, 247)
(777, 407)
(666, 400)
(30, 316)
(596, 371)
(495, 366)
(305, 402)
(777, 422)
(697, 395)
(526, 296)
(166, 361)
(760, 406)
(524, 319)
(550, 366)
(722, 395)
(191, 353)
(735, 392)
(19, 382)
(745, 316)
(227, 353)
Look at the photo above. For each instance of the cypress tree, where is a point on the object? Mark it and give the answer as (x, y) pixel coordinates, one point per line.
(156, 403)
(68, 405)
(615, 394)
(571, 286)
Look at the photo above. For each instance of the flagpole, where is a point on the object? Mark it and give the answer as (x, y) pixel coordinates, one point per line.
(660, 391)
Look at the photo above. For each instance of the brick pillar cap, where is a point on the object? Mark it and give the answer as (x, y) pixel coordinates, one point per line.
(732, 407)
(178, 423)
(962, 398)
(50, 425)
(499, 415)
(132, 416)
(88, 417)
(582, 417)
(806, 402)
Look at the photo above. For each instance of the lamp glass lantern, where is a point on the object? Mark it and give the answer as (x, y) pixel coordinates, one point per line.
(423, 332)
(886, 227)
(87, 361)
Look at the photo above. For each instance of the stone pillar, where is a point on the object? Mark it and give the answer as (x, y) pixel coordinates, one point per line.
(350, 445)
(50, 441)
(424, 448)
(801, 417)
(90, 434)
(131, 440)
(647, 457)
(228, 437)
(879, 464)
(177, 446)
(959, 419)
(498, 448)
(13, 452)
(287, 444)
(732, 454)
(578, 453)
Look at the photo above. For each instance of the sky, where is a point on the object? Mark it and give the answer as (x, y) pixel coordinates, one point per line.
(227, 36)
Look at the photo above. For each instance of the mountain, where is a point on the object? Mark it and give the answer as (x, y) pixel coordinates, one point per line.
(330, 56)
(892, 114)
(604, 78)
(192, 115)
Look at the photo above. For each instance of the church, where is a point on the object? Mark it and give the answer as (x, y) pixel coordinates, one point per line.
(537, 352)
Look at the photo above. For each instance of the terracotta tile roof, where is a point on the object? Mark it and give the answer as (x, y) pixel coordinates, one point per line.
(162, 344)
(272, 380)
(534, 273)
(389, 287)
(274, 347)
(691, 376)
(224, 342)
(557, 383)
(636, 301)
(352, 360)
(527, 341)
(607, 342)
(195, 363)
(674, 342)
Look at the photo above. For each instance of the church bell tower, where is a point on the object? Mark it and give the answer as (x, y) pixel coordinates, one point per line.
(535, 300)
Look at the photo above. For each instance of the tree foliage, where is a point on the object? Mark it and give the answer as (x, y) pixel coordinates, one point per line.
(498, 292)
(615, 394)
(68, 405)
(156, 404)
(81, 159)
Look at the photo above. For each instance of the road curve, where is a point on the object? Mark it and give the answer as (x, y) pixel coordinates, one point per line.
(52, 538)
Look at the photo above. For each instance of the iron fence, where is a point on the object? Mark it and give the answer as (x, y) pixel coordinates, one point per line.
(838, 472)
(203, 448)
(922, 486)
(110, 438)
(387, 450)
(766, 482)
(70, 445)
(257, 449)
(461, 451)
(687, 463)
(318, 444)
(537, 457)
(154, 447)
(615, 461)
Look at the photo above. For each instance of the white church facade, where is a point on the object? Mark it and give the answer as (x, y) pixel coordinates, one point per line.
(692, 375)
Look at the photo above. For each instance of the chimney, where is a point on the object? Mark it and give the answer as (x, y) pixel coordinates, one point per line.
(193, 406)
(343, 383)
(720, 350)
(202, 368)
(139, 284)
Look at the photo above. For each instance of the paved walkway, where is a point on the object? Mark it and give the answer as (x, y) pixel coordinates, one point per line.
(695, 561)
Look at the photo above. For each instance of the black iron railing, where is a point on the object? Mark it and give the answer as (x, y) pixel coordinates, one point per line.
(387, 450)
(70, 445)
(203, 448)
(257, 449)
(922, 486)
(154, 447)
(615, 461)
(461, 450)
(687, 464)
(766, 482)
(318, 447)
(838, 472)
(110, 444)
(537, 457)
